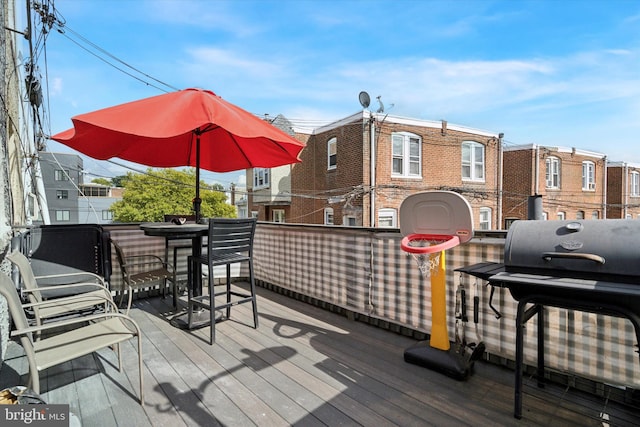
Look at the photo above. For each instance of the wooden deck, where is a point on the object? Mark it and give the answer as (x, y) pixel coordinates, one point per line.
(303, 366)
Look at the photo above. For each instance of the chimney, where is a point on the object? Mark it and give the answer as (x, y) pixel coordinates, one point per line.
(444, 128)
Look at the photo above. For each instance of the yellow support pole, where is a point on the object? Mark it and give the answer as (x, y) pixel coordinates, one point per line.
(439, 334)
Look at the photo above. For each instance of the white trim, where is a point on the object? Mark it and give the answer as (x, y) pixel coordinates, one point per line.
(365, 115)
(556, 149)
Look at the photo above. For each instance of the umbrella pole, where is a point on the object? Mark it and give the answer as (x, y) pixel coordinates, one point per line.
(197, 201)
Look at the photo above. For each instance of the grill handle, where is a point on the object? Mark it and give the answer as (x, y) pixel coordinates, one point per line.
(547, 256)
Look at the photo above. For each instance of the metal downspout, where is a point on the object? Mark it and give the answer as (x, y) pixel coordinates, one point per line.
(372, 172)
(499, 179)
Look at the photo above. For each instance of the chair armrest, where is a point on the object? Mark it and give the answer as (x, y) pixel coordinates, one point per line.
(95, 276)
(74, 321)
(41, 289)
(58, 301)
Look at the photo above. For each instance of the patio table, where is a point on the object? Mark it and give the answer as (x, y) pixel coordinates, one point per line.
(195, 232)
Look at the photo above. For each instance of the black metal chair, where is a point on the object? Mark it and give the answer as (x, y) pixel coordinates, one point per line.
(230, 241)
(141, 271)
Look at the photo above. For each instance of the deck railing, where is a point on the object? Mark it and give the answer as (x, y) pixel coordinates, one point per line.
(365, 271)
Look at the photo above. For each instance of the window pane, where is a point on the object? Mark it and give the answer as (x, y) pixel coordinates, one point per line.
(397, 166)
(466, 153)
(398, 146)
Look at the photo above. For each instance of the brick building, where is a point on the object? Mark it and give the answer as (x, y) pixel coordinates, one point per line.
(342, 181)
(623, 190)
(571, 182)
(269, 189)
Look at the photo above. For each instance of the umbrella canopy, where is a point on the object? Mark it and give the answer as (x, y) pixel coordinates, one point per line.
(191, 127)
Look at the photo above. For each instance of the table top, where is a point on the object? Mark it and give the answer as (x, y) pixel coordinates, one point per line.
(169, 229)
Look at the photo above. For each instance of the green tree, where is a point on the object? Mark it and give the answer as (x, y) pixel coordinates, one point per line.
(118, 181)
(149, 196)
(101, 181)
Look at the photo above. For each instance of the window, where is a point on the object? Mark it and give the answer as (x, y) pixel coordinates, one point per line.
(387, 218)
(406, 155)
(580, 215)
(62, 194)
(328, 216)
(588, 176)
(485, 219)
(260, 178)
(62, 216)
(61, 175)
(595, 215)
(472, 161)
(350, 221)
(545, 216)
(277, 215)
(562, 216)
(254, 214)
(107, 215)
(508, 222)
(332, 157)
(553, 172)
(634, 184)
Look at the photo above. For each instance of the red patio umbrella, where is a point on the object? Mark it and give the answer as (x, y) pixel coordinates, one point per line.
(190, 127)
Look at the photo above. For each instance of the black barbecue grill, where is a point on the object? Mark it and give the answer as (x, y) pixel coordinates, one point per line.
(591, 266)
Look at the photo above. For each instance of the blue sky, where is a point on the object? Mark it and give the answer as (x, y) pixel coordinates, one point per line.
(546, 72)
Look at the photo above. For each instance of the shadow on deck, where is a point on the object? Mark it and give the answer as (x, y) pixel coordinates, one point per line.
(303, 366)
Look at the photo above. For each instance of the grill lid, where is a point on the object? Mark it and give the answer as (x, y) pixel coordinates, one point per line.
(607, 249)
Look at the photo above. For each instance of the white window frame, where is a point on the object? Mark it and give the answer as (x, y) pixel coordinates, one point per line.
(63, 215)
(595, 215)
(61, 175)
(107, 215)
(634, 184)
(580, 215)
(484, 219)
(562, 216)
(473, 169)
(328, 216)
(588, 176)
(332, 153)
(254, 214)
(404, 163)
(545, 216)
(277, 215)
(552, 173)
(261, 178)
(387, 218)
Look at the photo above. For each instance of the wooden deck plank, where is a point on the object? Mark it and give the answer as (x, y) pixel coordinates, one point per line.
(207, 358)
(382, 369)
(303, 366)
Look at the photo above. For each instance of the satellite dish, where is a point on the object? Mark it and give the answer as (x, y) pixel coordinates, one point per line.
(364, 99)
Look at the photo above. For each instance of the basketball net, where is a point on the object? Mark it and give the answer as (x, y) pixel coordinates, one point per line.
(427, 263)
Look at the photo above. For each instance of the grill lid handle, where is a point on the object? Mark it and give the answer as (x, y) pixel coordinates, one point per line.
(547, 256)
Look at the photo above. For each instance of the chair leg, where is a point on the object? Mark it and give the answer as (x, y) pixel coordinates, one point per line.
(175, 278)
(228, 291)
(189, 291)
(212, 310)
(140, 369)
(254, 301)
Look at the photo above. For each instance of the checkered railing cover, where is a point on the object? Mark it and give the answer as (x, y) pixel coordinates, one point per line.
(366, 271)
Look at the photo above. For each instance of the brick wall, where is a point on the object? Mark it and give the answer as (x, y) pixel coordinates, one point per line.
(620, 202)
(569, 198)
(315, 186)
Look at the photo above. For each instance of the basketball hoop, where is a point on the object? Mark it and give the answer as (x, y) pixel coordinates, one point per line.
(426, 249)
